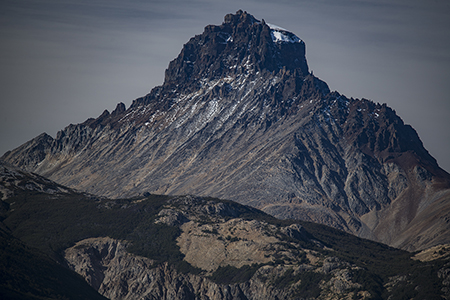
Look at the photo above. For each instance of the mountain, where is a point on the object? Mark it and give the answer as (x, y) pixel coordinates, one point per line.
(186, 247)
(240, 117)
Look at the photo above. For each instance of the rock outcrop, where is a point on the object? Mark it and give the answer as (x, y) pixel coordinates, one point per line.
(240, 117)
(116, 274)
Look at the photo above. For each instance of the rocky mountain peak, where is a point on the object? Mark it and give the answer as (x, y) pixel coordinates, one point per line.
(241, 18)
(239, 117)
(242, 43)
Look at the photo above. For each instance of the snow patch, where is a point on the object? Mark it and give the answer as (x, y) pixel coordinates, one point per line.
(281, 35)
(276, 27)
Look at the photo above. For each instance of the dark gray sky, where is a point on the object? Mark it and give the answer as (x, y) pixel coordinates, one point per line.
(63, 61)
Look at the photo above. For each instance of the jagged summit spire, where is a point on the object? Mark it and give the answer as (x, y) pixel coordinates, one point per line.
(240, 17)
(240, 44)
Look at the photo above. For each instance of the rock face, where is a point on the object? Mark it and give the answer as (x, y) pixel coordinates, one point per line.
(240, 117)
(116, 274)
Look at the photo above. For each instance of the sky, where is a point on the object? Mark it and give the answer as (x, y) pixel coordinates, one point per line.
(64, 61)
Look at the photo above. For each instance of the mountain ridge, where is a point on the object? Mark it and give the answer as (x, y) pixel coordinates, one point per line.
(240, 117)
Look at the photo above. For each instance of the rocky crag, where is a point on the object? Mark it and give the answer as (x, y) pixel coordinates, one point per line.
(240, 117)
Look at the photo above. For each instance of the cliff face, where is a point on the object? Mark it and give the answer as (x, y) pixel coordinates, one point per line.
(240, 117)
(116, 274)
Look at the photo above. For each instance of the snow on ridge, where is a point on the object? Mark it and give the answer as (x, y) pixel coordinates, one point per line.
(281, 35)
(275, 27)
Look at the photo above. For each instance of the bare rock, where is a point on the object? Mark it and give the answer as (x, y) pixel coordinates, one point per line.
(116, 274)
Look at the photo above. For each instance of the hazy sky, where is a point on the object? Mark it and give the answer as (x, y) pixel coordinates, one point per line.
(63, 61)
